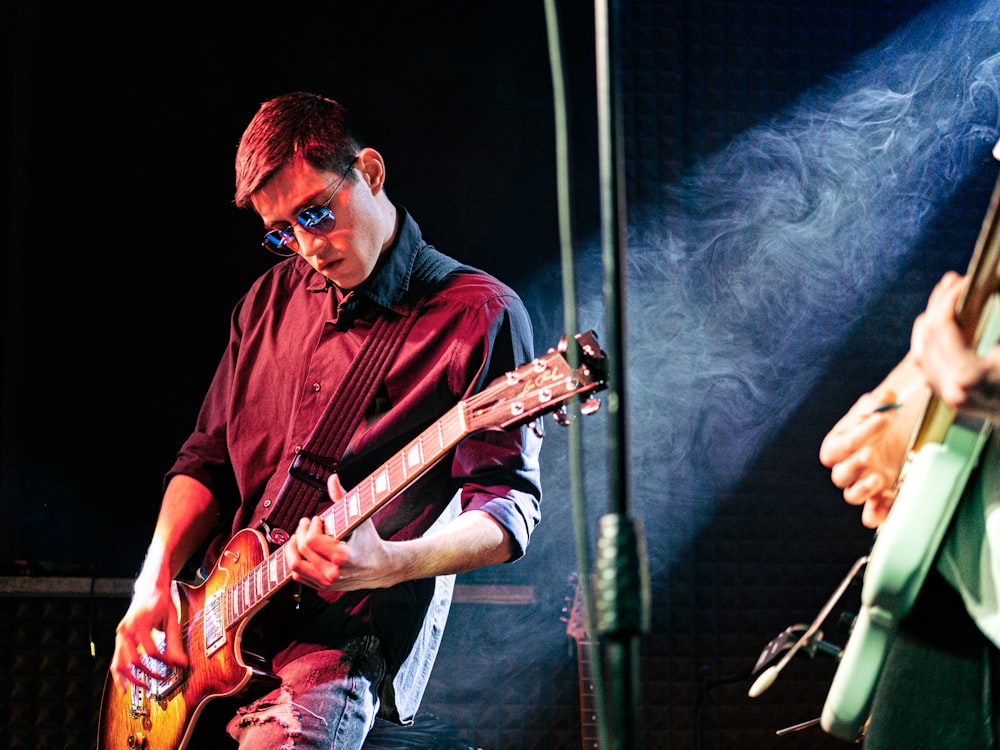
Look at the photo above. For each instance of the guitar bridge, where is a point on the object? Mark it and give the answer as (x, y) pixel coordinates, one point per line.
(164, 682)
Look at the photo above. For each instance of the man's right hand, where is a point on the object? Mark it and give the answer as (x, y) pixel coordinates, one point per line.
(152, 611)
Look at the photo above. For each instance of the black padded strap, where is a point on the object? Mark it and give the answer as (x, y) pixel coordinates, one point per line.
(305, 486)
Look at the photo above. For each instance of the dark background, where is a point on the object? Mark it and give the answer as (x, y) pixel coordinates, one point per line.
(123, 256)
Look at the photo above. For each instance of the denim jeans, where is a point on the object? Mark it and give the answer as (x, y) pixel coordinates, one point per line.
(327, 700)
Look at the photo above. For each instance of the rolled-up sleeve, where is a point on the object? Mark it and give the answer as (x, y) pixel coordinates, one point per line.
(499, 469)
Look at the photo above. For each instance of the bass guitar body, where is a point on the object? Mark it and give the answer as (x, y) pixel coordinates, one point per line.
(940, 460)
(164, 716)
(900, 559)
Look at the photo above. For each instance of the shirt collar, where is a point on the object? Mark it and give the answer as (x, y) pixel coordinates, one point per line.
(387, 287)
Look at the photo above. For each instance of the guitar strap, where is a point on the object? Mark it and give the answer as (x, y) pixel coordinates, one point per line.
(305, 486)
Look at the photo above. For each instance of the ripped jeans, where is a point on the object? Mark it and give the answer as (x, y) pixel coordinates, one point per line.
(327, 700)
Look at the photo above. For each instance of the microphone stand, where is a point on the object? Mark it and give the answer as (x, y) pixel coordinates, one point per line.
(621, 580)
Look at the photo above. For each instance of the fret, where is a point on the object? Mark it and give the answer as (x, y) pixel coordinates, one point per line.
(414, 458)
(256, 589)
(354, 509)
(283, 574)
(397, 472)
(457, 419)
(377, 491)
(389, 480)
(587, 655)
(365, 501)
(235, 592)
(588, 701)
(458, 414)
(381, 482)
(277, 568)
(334, 517)
(272, 569)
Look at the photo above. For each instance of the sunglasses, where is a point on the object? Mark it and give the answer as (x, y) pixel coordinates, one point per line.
(317, 219)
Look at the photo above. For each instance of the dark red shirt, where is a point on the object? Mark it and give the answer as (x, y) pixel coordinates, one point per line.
(292, 337)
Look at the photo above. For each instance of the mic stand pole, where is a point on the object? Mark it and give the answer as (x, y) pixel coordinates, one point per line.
(621, 580)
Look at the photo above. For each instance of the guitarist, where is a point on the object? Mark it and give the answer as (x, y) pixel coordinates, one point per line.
(940, 685)
(357, 634)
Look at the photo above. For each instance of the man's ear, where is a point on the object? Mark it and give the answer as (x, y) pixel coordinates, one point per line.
(371, 168)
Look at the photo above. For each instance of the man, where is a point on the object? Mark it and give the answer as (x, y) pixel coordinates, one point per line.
(940, 685)
(359, 636)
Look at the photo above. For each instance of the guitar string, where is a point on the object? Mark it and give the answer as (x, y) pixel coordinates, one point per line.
(392, 468)
(363, 495)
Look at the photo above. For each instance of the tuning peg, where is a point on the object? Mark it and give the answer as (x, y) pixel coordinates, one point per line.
(561, 417)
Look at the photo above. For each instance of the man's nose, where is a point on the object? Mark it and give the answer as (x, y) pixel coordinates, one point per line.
(308, 242)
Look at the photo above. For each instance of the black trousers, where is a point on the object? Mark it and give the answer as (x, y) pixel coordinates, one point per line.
(940, 686)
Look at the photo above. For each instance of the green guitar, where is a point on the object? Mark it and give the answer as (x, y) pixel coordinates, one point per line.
(943, 452)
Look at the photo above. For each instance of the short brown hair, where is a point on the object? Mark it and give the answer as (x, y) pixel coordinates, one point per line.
(290, 125)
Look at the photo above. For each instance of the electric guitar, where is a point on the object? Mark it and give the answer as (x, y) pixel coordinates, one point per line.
(214, 614)
(586, 654)
(942, 453)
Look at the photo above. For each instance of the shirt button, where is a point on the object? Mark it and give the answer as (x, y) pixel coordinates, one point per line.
(267, 503)
(317, 387)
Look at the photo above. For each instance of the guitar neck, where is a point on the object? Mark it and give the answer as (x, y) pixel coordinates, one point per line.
(586, 654)
(396, 474)
(982, 272)
(347, 513)
(516, 398)
(970, 316)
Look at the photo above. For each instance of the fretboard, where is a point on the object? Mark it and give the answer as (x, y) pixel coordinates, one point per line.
(586, 651)
(347, 513)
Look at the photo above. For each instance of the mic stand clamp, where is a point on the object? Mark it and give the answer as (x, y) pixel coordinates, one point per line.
(810, 641)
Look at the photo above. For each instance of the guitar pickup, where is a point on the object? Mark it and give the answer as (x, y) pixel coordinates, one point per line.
(213, 625)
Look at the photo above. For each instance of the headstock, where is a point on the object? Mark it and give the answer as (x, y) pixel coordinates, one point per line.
(543, 385)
